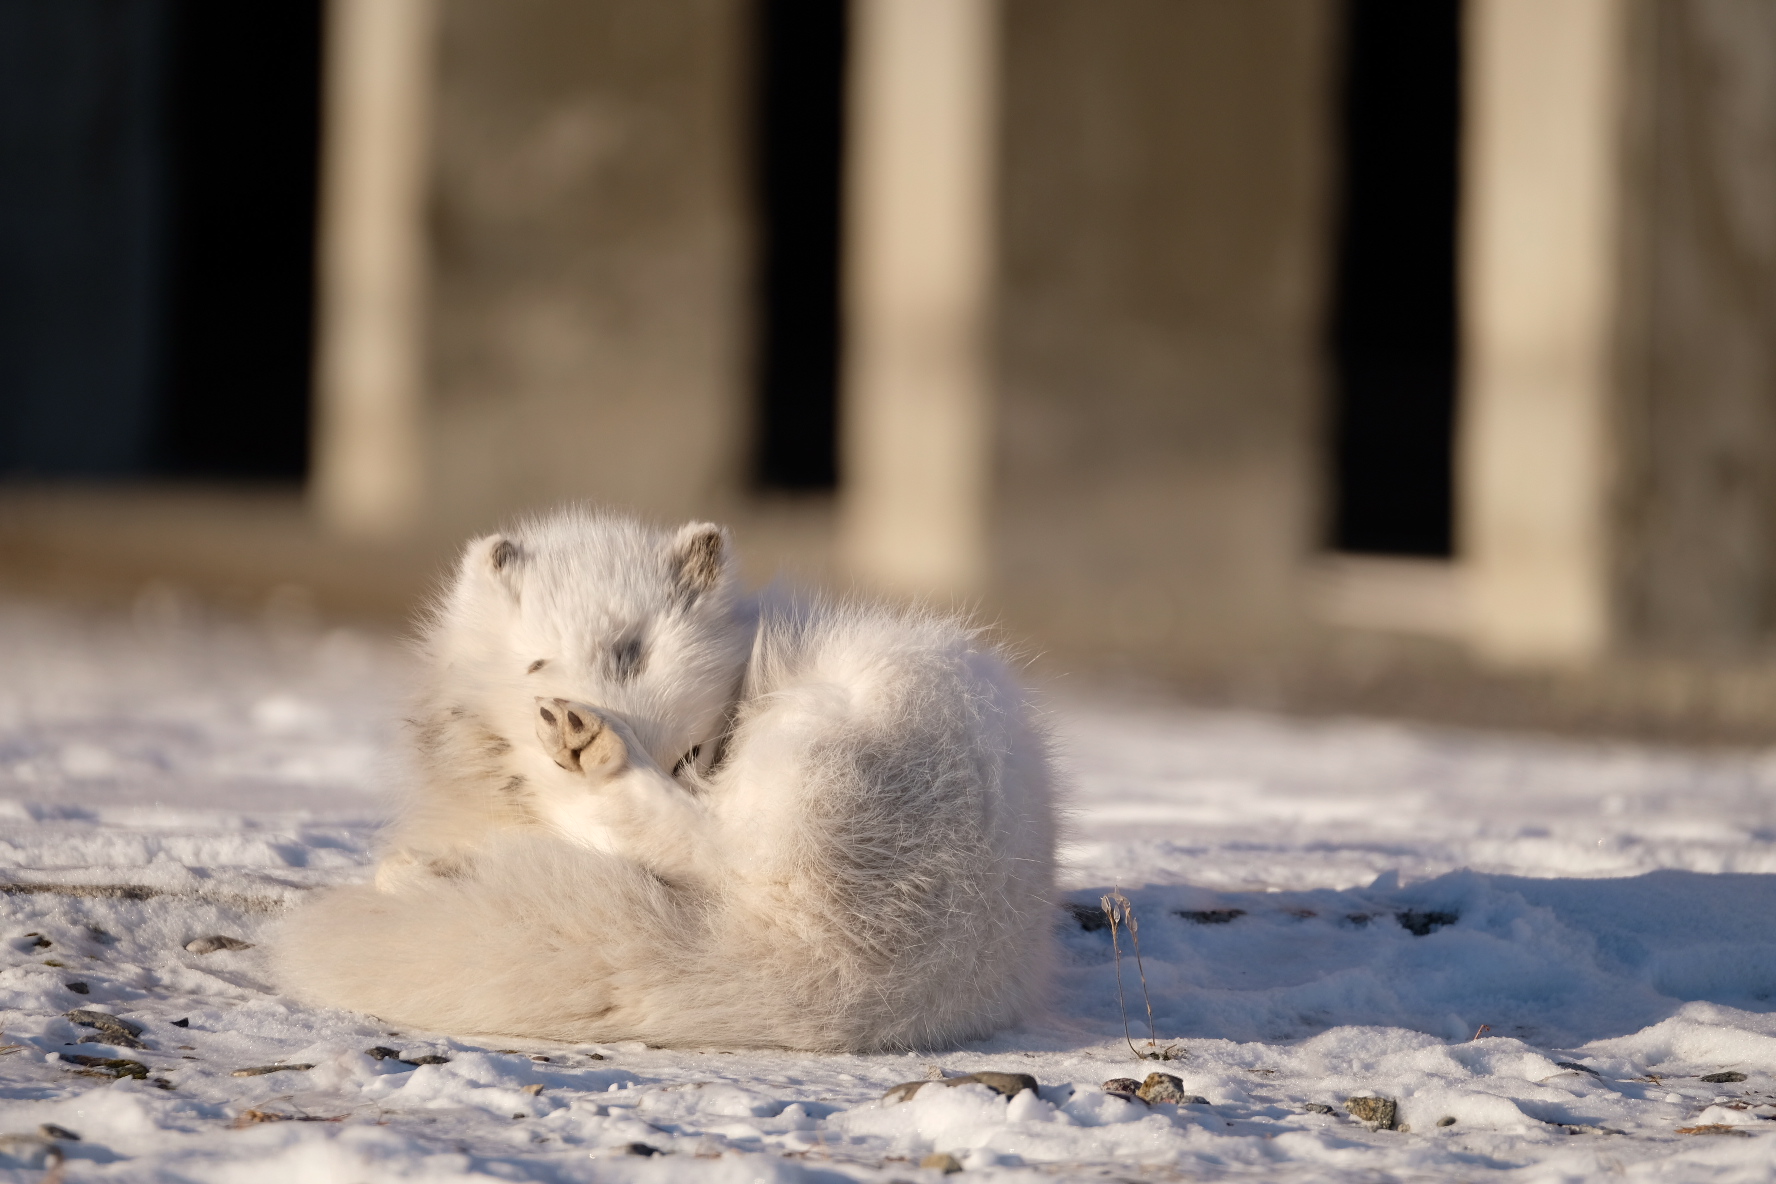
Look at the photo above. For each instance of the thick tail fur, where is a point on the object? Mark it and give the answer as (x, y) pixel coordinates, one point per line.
(547, 939)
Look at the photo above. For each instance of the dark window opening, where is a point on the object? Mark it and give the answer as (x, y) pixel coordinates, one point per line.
(800, 165)
(1394, 329)
(157, 205)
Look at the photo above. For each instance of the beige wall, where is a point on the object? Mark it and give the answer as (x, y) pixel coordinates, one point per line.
(590, 316)
(1163, 253)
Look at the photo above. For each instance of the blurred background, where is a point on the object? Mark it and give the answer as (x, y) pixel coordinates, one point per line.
(1398, 356)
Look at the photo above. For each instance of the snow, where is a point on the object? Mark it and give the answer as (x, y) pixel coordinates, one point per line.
(1549, 942)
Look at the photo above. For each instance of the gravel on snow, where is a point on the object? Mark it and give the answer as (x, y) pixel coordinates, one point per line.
(1555, 960)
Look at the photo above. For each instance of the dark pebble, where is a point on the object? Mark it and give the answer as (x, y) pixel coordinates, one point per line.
(184, 1023)
(78, 988)
(429, 1059)
(1124, 1087)
(1319, 1108)
(116, 1031)
(640, 1149)
(1423, 924)
(116, 1066)
(381, 1053)
(1726, 1078)
(1091, 917)
(1578, 1068)
(262, 1070)
(50, 1130)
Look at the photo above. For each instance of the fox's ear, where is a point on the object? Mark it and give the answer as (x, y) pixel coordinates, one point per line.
(495, 559)
(700, 561)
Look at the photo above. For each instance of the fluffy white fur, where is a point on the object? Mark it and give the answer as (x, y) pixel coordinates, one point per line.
(650, 808)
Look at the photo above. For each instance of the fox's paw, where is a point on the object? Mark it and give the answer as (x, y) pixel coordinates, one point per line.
(578, 738)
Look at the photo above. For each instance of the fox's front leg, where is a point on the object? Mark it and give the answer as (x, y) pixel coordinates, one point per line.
(655, 819)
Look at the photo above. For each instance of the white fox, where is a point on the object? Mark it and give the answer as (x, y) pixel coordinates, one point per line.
(650, 808)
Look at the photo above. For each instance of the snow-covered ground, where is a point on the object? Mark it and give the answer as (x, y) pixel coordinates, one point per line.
(1539, 950)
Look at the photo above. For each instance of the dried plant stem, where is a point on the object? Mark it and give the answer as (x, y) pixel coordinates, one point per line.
(1110, 911)
(1117, 908)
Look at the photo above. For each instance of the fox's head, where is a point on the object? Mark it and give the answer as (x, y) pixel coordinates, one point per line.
(600, 609)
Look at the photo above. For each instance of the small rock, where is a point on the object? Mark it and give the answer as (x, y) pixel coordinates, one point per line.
(639, 1149)
(41, 942)
(1007, 1084)
(532, 1090)
(1124, 1087)
(594, 1056)
(214, 942)
(1319, 1108)
(117, 1031)
(1163, 1087)
(382, 1053)
(1446, 1120)
(248, 1118)
(430, 1058)
(934, 1073)
(78, 988)
(941, 1161)
(1091, 917)
(1423, 924)
(537, 1056)
(184, 1023)
(115, 1066)
(50, 1130)
(1726, 1078)
(1381, 1113)
(262, 1070)
(1578, 1068)
(1211, 916)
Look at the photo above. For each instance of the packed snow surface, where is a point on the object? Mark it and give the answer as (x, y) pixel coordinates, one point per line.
(1540, 951)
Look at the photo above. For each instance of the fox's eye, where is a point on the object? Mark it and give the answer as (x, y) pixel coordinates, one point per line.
(537, 665)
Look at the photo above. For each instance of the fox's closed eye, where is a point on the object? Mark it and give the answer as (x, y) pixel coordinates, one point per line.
(537, 665)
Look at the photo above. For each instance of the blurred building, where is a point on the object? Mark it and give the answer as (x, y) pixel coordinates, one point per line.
(1338, 352)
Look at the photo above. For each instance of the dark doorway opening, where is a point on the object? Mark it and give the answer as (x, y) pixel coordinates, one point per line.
(799, 146)
(244, 145)
(1394, 328)
(158, 164)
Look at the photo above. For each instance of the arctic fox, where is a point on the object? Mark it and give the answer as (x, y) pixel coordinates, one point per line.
(651, 808)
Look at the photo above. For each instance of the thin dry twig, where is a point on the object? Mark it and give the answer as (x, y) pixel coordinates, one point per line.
(1117, 908)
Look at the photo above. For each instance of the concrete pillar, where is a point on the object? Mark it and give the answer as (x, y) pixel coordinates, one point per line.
(918, 273)
(1542, 207)
(368, 467)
